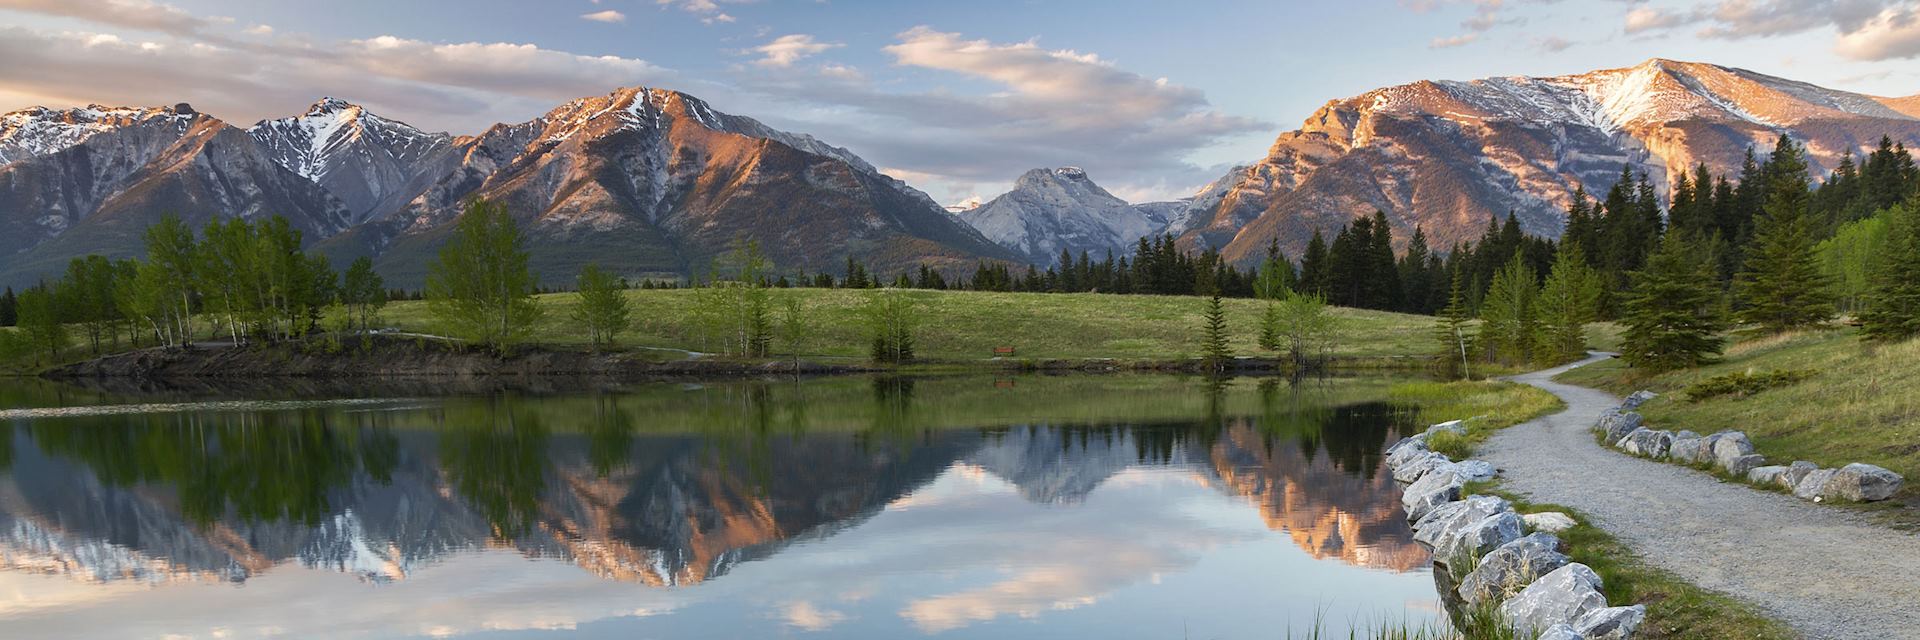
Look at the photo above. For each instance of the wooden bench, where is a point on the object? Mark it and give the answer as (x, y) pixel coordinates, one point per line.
(1003, 352)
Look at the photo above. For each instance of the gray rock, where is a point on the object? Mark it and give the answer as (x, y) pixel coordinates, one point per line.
(1767, 476)
(1467, 529)
(1611, 623)
(1730, 446)
(1506, 570)
(1687, 450)
(1456, 427)
(1407, 450)
(1549, 521)
(1810, 486)
(1433, 490)
(1474, 470)
(1738, 467)
(1617, 424)
(1419, 466)
(1563, 596)
(1647, 442)
(1638, 398)
(1560, 632)
(1860, 482)
(1795, 473)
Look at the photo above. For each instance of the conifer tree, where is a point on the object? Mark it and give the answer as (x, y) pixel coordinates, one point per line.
(1781, 286)
(1314, 267)
(1213, 336)
(1451, 330)
(1893, 302)
(1568, 301)
(9, 308)
(1509, 320)
(1673, 313)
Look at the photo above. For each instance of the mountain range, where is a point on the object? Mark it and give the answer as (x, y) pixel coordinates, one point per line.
(653, 182)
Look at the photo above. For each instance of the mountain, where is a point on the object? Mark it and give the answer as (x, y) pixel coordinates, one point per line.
(1449, 156)
(647, 182)
(373, 165)
(1053, 209)
(650, 181)
(90, 180)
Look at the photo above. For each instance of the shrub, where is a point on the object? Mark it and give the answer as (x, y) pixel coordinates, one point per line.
(1744, 384)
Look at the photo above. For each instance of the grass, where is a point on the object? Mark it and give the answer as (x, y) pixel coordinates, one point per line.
(1675, 609)
(968, 325)
(1859, 403)
(1486, 406)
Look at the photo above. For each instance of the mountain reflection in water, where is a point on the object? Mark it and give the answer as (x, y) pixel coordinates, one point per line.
(633, 492)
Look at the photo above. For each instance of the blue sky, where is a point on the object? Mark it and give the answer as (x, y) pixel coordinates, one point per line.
(1153, 98)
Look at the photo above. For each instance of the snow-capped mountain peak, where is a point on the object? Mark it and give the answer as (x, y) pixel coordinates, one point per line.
(367, 160)
(38, 131)
(1049, 210)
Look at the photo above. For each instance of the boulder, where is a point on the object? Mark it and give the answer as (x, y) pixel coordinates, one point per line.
(1611, 623)
(1647, 442)
(1419, 466)
(1407, 449)
(1563, 596)
(1638, 398)
(1795, 473)
(1860, 482)
(1810, 485)
(1730, 446)
(1549, 521)
(1474, 470)
(1456, 427)
(1617, 424)
(1687, 449)
(1767, 476)
(1506, 570)
(1467, 529)
(1560, 632)
(1433, 490)
(1738, 467)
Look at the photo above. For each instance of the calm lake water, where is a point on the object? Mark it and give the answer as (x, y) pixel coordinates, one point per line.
(1025, 507)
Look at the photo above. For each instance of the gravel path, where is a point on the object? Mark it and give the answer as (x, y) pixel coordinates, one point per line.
(1824, 570)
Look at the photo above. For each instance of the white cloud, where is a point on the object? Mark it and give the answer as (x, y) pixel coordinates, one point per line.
(136, 14)
(1642, 19)
(605, 16)
(1453, 41)
(260, 30)
(1895, 33)
(708, 10)
(788, 49)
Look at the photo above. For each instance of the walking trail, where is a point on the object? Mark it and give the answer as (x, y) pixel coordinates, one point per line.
(1824, 570)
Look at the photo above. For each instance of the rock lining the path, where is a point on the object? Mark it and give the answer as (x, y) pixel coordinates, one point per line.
(1539, 590)
(1733, 452)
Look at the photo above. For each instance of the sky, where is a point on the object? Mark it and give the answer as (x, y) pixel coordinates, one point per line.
(1153, 98)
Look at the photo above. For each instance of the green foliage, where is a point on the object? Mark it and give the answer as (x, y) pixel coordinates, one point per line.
(603, 308)
(1674, 313)
(1304, 327)
(1451, 331)
(480, 288)
(40, 316)
(9, 308)
(736, 308)
(1847, 259)
(1213, 335)
(1781, 285)
(1455, 445)
(892, 318)
(1509, 317)
(86, 297)
(169, 278)
(1568, 301)
(794, 330)
(1744, 383)
(363, 291)
(1893, 301)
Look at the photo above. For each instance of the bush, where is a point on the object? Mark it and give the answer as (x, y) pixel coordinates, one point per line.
(1743, 384)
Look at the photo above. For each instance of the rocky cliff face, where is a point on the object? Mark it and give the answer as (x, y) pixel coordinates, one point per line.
(1448, 156)
(1050, 210)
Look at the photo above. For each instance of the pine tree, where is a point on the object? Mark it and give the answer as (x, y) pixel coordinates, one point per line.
(1568, 301)
(9, 308)
(1781, 286)
(1509, 323)
(1213, 336)
(1893, 301)
(603, 309)
(1674, 314)
(1416, 276)
(1314, 267)
(1451, 330)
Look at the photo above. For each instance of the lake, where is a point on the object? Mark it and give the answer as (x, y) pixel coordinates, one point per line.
(1126, 506)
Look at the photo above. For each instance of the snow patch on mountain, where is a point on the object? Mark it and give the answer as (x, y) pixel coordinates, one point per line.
(1050, 210)
(39, 131)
